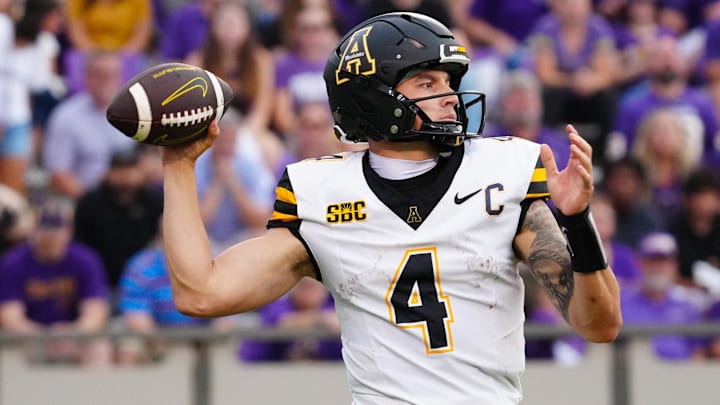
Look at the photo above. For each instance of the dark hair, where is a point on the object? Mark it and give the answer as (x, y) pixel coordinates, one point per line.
(29, 25)
(626, 163)
(248, 63)
(125, 158)
(703, 179)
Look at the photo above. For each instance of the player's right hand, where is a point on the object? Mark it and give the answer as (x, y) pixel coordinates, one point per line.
(188, 153)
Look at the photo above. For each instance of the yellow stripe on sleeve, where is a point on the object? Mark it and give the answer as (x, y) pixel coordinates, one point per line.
(285, 195)
(279, 216)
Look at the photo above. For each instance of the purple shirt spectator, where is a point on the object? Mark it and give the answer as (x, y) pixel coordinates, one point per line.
(624, 264)
(303, 79)
(638, 310)
(712, 47)
(624, 38)
(514, 17)
(599, 34)
(694, 107)
(184, 32)
(271, 314)
(52, 292)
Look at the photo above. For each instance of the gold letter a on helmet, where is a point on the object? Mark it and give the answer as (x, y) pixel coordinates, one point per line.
(356, 58)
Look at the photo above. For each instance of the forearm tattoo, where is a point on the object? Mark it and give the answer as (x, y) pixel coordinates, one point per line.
(549, 258)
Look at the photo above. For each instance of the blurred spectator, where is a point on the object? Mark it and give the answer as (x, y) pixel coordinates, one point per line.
(663, 147)
(435, 8)
(311, 37)
(667, 88)
(277, 24)
(233, 52)
(713, 315)
(37, 48)
(53, 283)
(16, 218)
(576, 61)
(539, 309)
(520, 114)
(119, 216)
(150, 162)
(711, 59)
(313, 137)
(654, 302)
(697, 228)
(15, 137)
(636, 29)
(620, 256)
(118, 25)
(502, 26)
(626, 185)
(682, 16)
(145, 304)
(79, 141)
(186, 29)
(307, 305)
(235, 186)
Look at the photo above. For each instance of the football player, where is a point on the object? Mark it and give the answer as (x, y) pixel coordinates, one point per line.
(419, 237)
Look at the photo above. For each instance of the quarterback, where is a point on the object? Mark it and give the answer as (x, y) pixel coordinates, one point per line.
(418, 237)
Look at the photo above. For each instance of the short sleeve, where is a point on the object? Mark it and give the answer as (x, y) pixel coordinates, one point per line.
(538, 187)
(285, 212)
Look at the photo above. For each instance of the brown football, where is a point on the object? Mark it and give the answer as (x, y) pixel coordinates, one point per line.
(169, 104)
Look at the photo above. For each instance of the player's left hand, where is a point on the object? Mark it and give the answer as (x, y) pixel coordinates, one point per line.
(571, 188)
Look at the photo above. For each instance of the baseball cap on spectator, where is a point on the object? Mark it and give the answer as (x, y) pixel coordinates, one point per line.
(55, 213)
(124, 158)
(658, 245)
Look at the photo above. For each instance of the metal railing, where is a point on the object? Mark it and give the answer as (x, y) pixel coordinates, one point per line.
(201, 339)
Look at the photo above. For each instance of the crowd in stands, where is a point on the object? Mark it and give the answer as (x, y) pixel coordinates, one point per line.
(81, 204)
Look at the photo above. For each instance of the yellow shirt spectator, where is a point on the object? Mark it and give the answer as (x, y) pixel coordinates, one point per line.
(110, 24)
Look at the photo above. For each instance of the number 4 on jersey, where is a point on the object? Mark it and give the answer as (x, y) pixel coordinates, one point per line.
(415, 299)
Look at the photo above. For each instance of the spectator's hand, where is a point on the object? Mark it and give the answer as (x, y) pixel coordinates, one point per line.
(188, 154)
(571, 188)
(506, 45)
(224, 170)
(583, 82)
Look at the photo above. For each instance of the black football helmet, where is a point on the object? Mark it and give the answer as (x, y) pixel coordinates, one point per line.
(371, 60)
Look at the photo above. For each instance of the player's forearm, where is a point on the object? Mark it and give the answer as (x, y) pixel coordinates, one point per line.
(187, 248)
(595, 306)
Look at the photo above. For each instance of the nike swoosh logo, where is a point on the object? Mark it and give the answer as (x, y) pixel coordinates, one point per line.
(195, 83)
(459, 200)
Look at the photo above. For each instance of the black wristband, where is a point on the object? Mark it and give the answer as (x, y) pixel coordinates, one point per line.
(586, 250)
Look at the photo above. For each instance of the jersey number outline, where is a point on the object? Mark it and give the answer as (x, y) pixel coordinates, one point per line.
(415, 299)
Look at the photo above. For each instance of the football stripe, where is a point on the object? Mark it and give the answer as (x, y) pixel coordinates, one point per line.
(218, 94)
(142, 104)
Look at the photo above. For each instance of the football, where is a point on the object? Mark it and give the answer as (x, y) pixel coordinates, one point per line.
(169, 104)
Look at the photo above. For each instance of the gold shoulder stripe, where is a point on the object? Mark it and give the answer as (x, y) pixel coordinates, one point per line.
(539, 174)
(285, 195)
(279, 216)
(537, 195)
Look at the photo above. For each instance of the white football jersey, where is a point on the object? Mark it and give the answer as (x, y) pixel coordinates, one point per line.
(426, 288)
